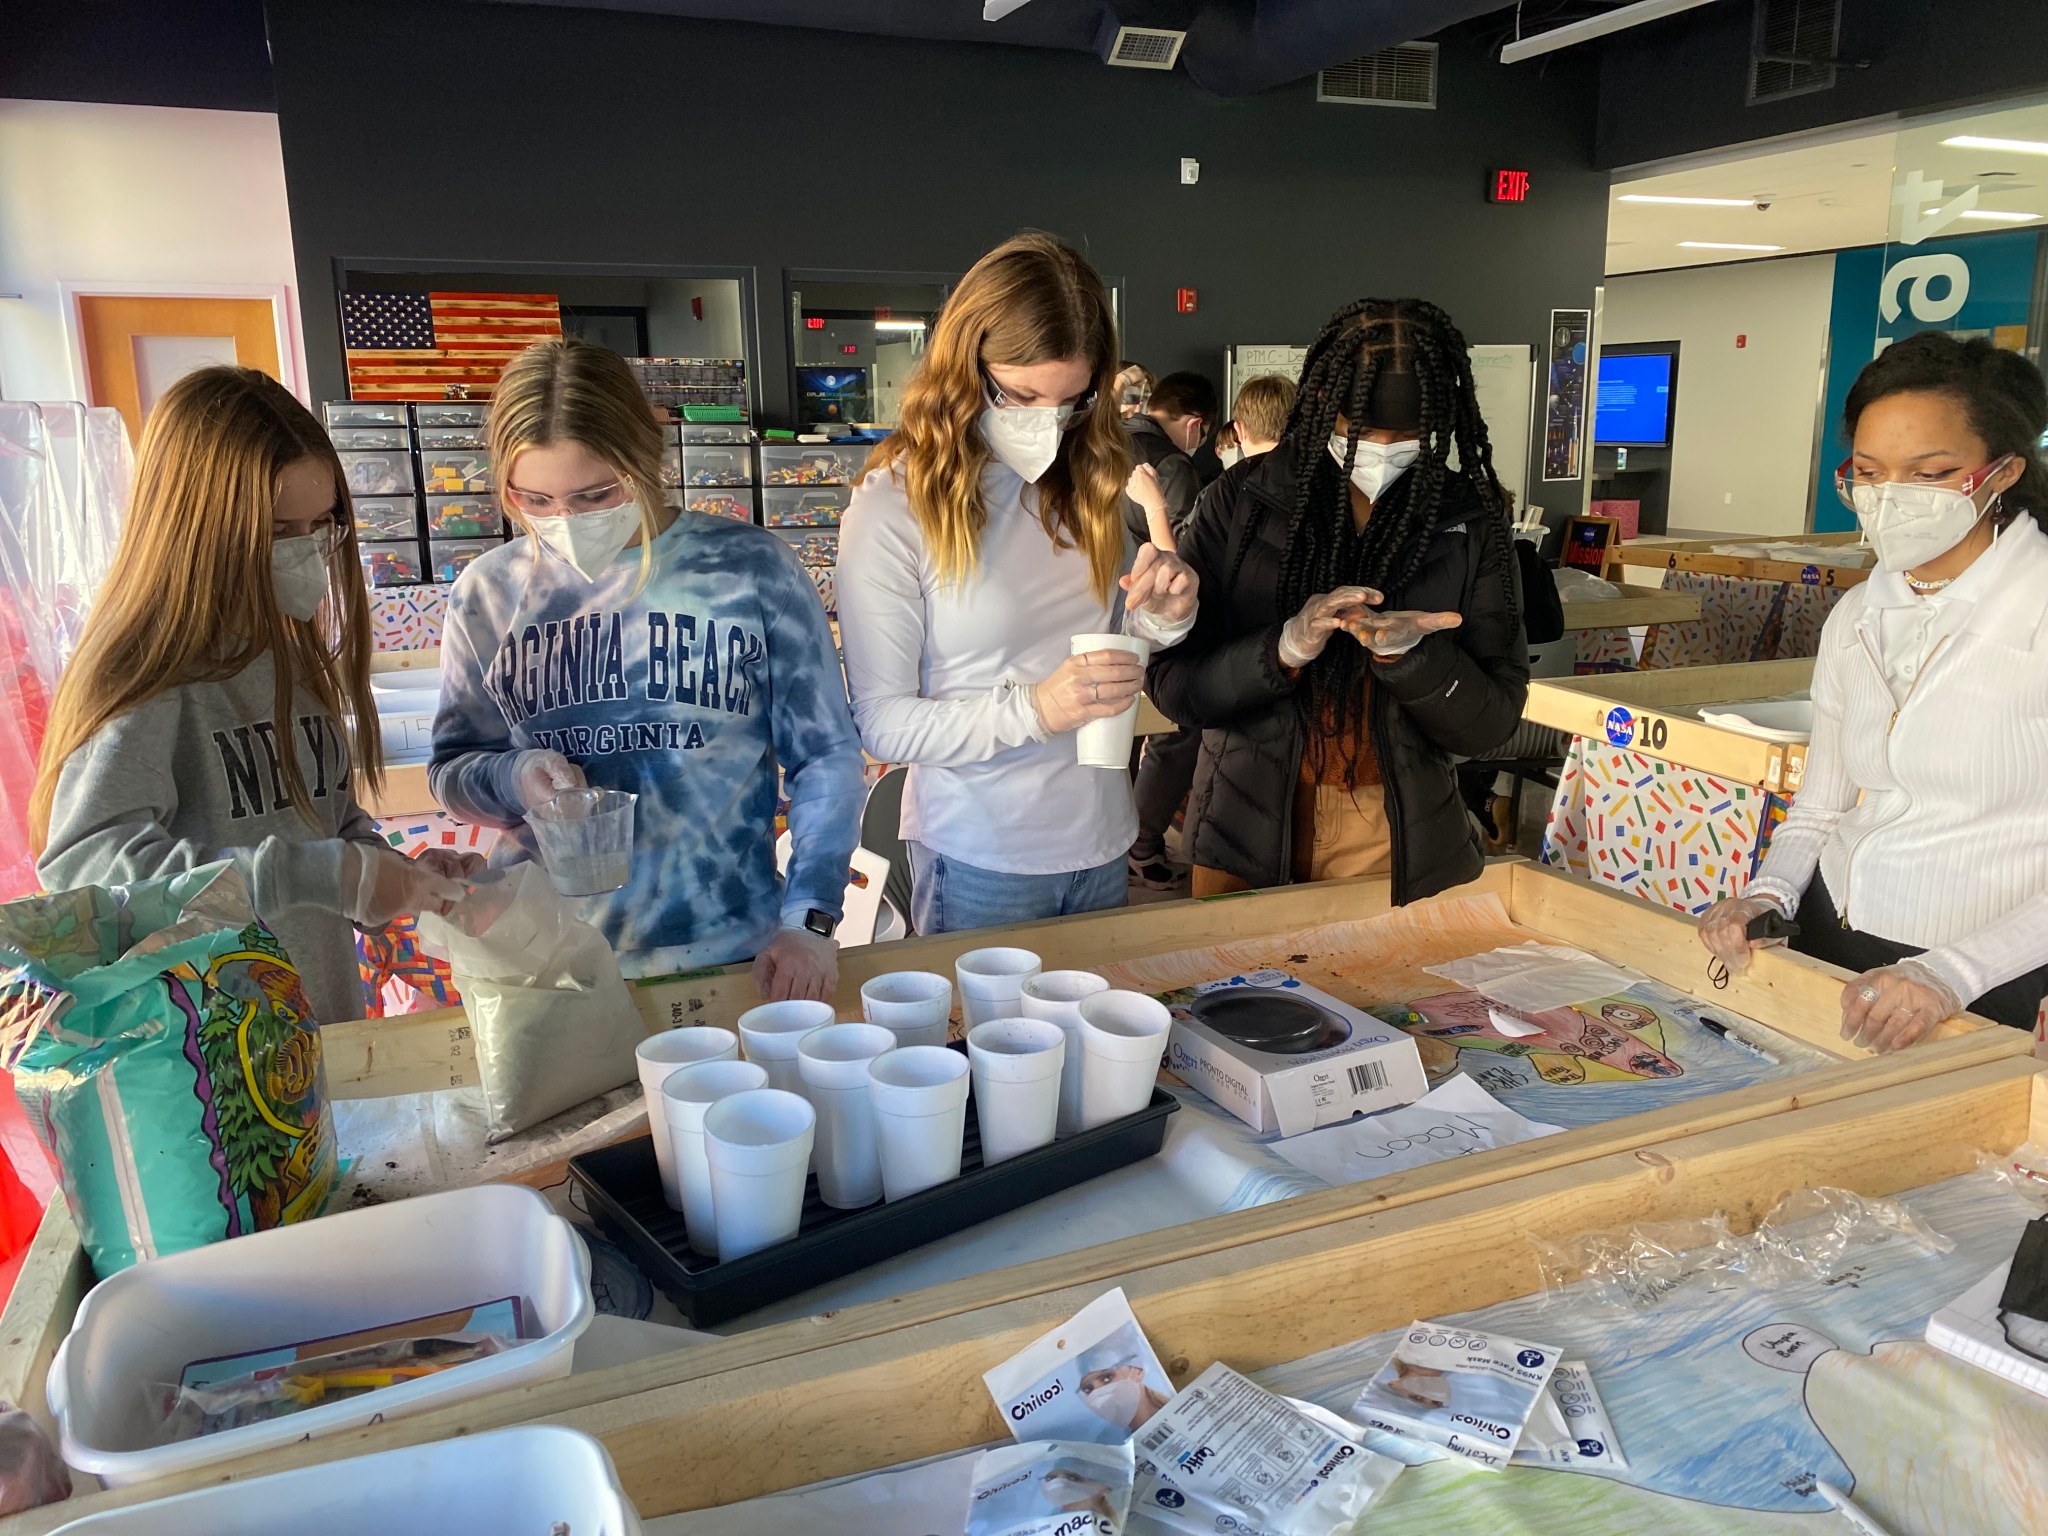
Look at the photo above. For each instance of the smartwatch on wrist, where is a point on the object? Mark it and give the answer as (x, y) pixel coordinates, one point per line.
(823, 924)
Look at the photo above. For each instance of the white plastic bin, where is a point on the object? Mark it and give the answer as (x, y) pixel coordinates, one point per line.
(511, 1482)
(361, 1269)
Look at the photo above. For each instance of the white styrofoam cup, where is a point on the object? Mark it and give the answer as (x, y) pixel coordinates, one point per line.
(1056, 997)
(1107, 743)
(920, 1098)
(917, 1006)
(1015, 1065)
(759, 1146)
(1123, 1037)
(990, 980)
(660, 1055)
(687, 1094)
(834, 1064)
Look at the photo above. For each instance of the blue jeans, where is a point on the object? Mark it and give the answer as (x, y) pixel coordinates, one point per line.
(947, 895)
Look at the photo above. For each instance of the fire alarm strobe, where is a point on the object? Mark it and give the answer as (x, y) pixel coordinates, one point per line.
(1184, 300)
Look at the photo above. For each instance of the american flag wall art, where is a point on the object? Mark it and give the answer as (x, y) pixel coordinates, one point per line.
(434, 346)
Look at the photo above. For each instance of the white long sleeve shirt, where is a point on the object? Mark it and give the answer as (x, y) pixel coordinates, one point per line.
(1925, 801)
(941, 679)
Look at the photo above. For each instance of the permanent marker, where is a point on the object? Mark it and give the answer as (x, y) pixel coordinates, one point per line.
(1718, 1028)
(1849, 1510)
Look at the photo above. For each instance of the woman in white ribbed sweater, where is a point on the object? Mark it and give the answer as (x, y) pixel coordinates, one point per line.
(1924, 809)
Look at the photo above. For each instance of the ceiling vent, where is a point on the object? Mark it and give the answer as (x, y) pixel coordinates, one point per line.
(1144, 48)
(1792, 48)
(1401, 76)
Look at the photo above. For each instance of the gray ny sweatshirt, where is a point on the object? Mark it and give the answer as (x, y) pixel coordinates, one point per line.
(195, 776)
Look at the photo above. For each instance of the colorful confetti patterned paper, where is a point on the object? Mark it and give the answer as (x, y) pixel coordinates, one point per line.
(1671, 835)
(1740, 620)
(408, 618)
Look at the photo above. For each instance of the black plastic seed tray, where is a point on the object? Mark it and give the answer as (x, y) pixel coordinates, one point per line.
(624, 1190)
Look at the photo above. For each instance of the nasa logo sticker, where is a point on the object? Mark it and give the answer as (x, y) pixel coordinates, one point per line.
(1809, 575)
(1621, 727)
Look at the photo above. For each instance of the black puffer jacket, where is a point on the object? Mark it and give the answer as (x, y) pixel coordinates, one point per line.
(1457, 694)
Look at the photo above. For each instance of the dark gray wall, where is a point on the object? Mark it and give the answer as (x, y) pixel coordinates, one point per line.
(476, 136)
(1680, 86)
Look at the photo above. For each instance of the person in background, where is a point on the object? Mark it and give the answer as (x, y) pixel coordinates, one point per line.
(685, 658)
(1134, 383)
(1175, 422)
(1167, 770)
(1359, 626)
(987, 533)
(219, 705)
(1916, 852)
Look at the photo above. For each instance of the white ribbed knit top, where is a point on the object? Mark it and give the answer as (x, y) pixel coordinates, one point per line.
(1928, 818)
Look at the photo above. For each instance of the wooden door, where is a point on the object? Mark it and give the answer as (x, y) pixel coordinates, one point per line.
(137, 346)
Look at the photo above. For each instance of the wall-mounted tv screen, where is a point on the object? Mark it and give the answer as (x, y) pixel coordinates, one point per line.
(831, 396)
(1638, 391)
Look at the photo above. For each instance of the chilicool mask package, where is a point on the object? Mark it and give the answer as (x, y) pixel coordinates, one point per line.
(1228, 1458)
(1093, 1378)
(1468, 1392)
(1570, 1427)
(1051, 1488)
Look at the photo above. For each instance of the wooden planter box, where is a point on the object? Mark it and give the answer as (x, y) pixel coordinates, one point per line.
(1698, 555)
(791, 1403)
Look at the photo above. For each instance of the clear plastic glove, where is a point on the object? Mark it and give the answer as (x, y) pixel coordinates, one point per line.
(538, 776)
(797, 963)
(1725, 930)
(1303, 637)
(452, 863)
(1388, 635)
(1890, 1008)
(379, 884)
(32, 1473)
(1160, 583)
(1091, 686)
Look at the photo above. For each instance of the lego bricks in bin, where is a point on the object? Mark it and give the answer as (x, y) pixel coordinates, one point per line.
(377, 474)
(461, 472)
(736, 502)
(385, 517)
(363, 413)
(391, 565)
(451, 557)
(811, 463)
(784, 506)
(464, 517)
(452, 437)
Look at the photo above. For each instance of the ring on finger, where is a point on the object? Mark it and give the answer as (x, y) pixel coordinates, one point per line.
(1868, 994)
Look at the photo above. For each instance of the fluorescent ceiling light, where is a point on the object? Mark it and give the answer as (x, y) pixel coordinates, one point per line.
(1690, 202)
(996, 10)
(899, 325)
(2000, 216)
(1723, 245)
(1598, 26)
(2010, 146)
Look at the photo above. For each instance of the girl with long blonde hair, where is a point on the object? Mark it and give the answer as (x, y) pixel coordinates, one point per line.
(626, 644)
(218, 706)
(987, 533)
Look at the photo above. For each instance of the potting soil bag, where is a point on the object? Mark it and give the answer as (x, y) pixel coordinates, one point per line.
(169, 1062)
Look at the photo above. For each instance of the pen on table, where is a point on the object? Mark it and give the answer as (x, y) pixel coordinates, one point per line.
(1739, 1041)
(2021, 1170)
(1850, 1510)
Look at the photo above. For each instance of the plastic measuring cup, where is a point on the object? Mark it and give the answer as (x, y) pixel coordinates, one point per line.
(585, 837)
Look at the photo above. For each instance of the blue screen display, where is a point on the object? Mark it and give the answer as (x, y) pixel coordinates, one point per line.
(1635, 399)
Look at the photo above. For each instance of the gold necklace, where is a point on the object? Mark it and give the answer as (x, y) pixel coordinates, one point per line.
(1924, 587)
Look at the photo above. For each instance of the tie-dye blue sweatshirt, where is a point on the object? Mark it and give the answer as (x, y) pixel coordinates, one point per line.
(689, 694)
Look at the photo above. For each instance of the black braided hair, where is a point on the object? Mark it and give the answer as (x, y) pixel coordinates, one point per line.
(1324, 549)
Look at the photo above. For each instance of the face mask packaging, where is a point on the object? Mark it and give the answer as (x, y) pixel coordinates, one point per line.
(1470, 1393)
(1228, 1458)
(1094, 1378)
(1050, 1488)
(1570, 1427)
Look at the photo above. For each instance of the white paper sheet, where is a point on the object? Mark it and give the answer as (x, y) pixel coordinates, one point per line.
(1456, 1119)
(1534, 977)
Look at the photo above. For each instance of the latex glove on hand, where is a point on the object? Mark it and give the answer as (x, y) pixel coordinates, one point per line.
(538, 776)
(453, 864)
(1725, 930)
(1092, 686)
(379, 884)
(1892, 1007)
(1160, 583)
(1388, 635)
(1303, 637)
(797, 963)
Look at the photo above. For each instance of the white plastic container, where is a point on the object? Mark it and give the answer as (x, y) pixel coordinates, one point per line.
(536, 1477)
(357, 1270)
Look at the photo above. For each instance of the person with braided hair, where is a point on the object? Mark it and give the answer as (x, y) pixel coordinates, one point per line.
(1359, 628)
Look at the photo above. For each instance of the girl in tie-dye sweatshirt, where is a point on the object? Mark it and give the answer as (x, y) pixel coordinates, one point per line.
(630, 646)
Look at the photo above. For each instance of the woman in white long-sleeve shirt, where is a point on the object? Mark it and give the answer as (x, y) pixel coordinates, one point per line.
(988, 532)
(1924, 808)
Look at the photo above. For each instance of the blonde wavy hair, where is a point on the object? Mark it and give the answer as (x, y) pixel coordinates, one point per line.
(190, 597)
(569, 391)
(1030, 300)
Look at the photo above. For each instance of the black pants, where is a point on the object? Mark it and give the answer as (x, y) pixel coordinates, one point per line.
(1164, 776)
(1822, 936)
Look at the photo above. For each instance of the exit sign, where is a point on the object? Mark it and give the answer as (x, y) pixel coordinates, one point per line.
(1507, 186)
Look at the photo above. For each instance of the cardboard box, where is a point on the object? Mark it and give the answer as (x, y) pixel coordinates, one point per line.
(1368, 1067)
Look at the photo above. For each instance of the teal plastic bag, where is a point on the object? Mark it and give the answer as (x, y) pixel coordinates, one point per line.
(163, 1047)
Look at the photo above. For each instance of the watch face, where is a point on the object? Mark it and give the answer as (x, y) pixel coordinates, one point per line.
(819, 923)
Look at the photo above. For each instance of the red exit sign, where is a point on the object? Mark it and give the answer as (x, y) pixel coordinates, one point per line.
(1507, 186)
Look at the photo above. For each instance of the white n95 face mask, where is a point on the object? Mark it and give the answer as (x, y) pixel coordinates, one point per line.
(298, 574)
(590, 541)
(1378, 465)
(1229, 456)
(1909, 525)
(1117, 1401)
(1026, 438)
